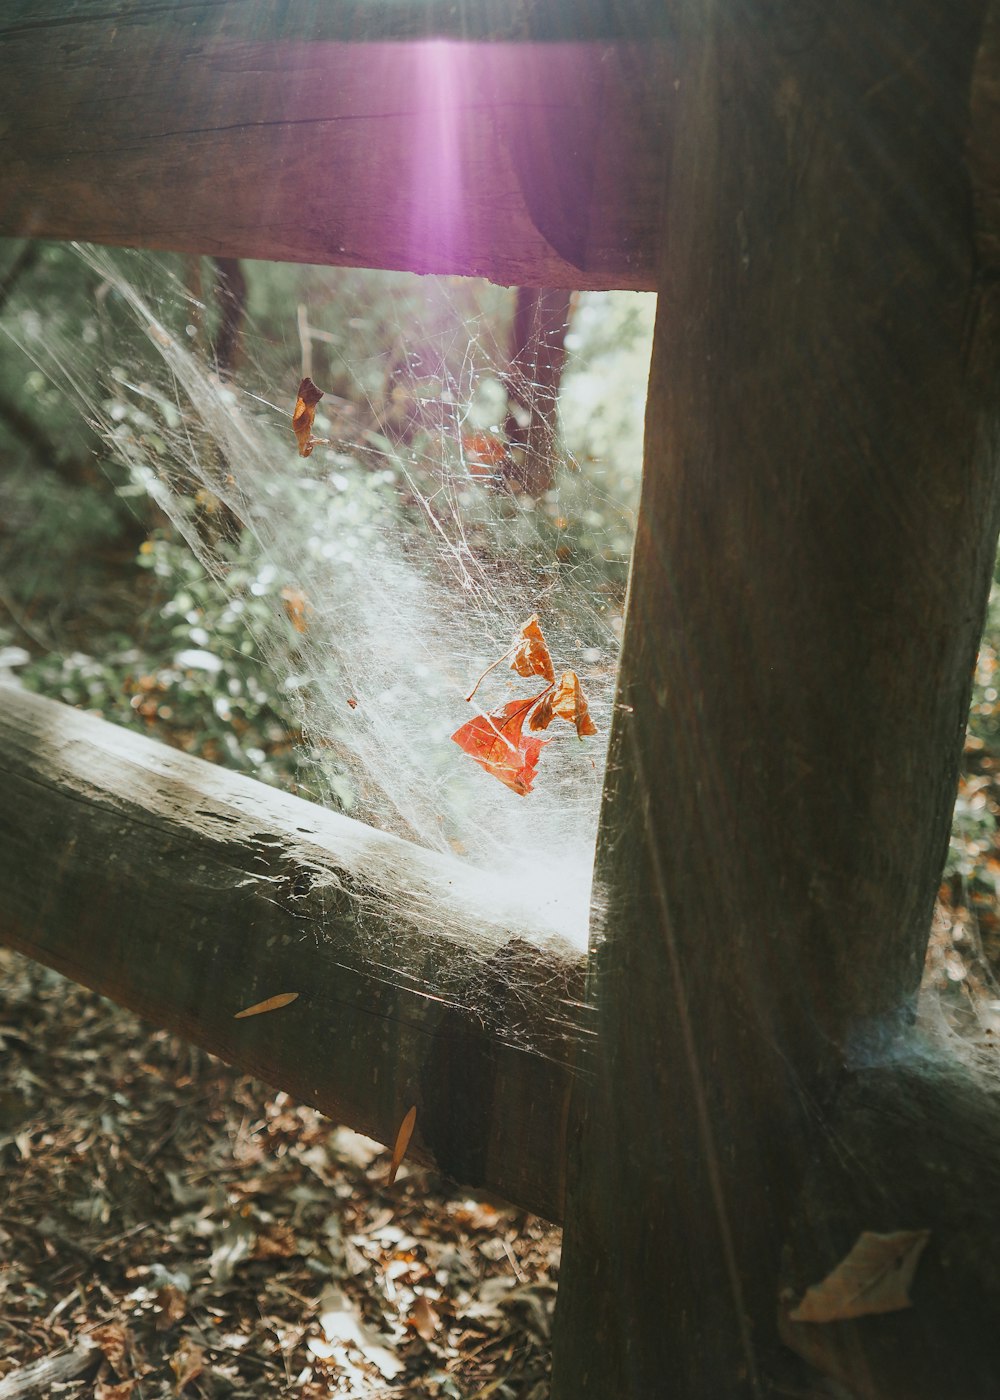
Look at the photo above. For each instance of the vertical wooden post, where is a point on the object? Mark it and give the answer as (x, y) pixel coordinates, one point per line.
(815, 543)
(537, 357)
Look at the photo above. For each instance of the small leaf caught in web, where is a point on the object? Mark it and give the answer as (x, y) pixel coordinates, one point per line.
(274, 1003)
(531, 656)
(483, 449)
(875, 1277)
(496, 740)
(497, 744)
(402, 1143)
(297, 607)
(304, 416)
(530, 652)
(570, 703)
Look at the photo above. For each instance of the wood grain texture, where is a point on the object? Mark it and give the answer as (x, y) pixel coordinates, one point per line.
(240, 130)
(814, 551)
(188, 893)
(910, 1144)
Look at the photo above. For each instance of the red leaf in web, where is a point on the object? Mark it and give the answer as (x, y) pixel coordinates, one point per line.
(497, 744)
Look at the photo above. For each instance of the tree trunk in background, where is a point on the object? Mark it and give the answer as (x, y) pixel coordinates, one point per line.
(537, 357)
(812, 563)
(231, 300)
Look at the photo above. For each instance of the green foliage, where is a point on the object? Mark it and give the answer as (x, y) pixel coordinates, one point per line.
(54, 534)
(191, 674)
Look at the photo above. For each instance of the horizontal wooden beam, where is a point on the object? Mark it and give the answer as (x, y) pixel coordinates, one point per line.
(367, 21)
(913, 1144)
(188, 893)
(327, 134)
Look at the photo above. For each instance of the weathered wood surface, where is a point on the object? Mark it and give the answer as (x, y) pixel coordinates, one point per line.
(301, 133)
(813, 557)
(188, 893)
(913, 1144)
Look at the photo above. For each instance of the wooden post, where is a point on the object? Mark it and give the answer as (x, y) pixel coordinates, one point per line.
(537, 357)
(814, 550)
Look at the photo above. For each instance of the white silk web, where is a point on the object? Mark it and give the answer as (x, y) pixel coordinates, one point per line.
(399, 565)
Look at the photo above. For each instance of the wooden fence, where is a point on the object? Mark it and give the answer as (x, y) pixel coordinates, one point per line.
(814, 190)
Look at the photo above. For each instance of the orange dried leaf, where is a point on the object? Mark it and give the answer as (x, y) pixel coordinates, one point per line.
(531, 655)
(402, 1143)
(570, 703)
(485, 448)
(297, 606)
(274, 1003)
(497, 744)
(874, 1277)
(304, 416)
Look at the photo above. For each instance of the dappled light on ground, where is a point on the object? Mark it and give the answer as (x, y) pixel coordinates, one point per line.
(212, 1238)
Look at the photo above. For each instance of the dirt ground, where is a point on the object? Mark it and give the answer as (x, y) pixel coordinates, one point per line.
(170, 1227)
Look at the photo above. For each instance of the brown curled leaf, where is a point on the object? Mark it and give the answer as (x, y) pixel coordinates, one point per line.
(542, 715)
(274, 1003)
(531, 654)
(304, 417)
(570, 703)
(402, 1143)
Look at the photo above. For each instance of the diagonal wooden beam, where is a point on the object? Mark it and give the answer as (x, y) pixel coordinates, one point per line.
(188, 893)
(330, 134)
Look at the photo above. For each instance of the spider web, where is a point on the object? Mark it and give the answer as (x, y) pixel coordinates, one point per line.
(403, 562)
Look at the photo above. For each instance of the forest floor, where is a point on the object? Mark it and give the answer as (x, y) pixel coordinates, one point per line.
(170, 1227)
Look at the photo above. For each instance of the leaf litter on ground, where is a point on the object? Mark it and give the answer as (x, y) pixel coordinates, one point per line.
(218, 1239)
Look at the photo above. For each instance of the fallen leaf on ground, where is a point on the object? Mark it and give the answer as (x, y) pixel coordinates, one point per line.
(172, 1302)
(277, 1241)
(233, 1244)
(402, 1143)
(424, 1319)
(297, 607)
(187, 1362)
(875, 1277)
(274, 1003)
(343, 1330)
(113, 1339)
